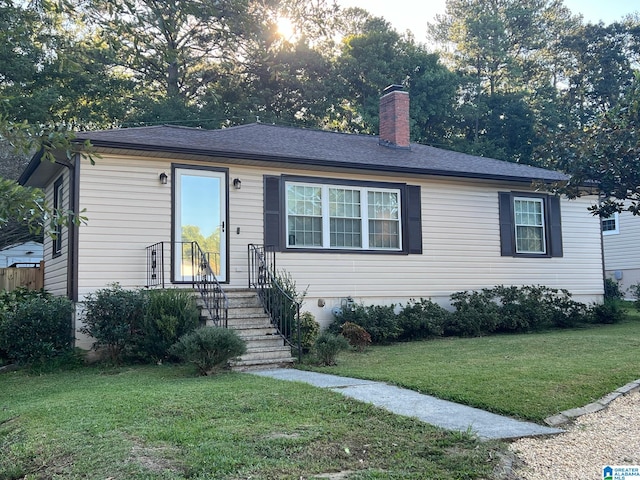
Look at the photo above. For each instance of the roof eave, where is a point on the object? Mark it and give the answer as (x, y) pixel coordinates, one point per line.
(318, 162)
(31, 167)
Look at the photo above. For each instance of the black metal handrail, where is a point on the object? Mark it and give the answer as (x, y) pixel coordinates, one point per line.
(283, 309)
(200, 275)
(205, 281)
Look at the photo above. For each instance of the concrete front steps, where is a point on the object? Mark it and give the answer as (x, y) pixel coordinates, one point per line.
(265, 347)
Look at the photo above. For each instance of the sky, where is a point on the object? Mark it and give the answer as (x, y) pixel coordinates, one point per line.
(415, 14)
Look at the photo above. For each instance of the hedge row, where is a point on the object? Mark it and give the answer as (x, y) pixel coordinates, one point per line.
(501, 309)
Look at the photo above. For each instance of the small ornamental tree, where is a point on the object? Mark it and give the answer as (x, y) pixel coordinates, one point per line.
(357, 336)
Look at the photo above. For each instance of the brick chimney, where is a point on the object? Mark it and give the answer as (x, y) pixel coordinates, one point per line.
(394, 117)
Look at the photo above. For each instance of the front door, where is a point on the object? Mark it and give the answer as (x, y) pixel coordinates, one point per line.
(200, 216)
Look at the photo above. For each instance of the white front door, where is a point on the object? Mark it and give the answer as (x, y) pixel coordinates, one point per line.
(200, 216)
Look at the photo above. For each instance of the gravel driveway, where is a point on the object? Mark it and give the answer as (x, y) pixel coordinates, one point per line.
(608, 437)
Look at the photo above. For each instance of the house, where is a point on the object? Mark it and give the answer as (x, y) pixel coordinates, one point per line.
(371, 219)
(23, 254)
(620, 234)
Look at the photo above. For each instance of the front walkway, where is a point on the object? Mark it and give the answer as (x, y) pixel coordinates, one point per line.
(441, 413)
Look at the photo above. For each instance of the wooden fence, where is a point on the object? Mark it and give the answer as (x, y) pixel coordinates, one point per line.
(29, 277)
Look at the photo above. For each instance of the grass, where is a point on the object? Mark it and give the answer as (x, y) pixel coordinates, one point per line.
(163, 422)
(530, 376)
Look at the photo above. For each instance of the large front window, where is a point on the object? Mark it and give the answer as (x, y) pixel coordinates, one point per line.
(342, 217)
(529, 224)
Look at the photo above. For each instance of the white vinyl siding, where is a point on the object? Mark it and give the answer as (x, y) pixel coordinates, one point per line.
(56, 266)
(621, 252)
(128, 209)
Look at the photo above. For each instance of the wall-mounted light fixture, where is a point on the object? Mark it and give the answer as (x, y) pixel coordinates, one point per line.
(237, 183)
(163, 178)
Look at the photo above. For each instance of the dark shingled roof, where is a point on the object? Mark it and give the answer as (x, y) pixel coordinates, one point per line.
(298, 146)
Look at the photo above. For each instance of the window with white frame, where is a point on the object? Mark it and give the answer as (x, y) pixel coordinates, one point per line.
(342, 217)
(611, 224)
(529, 225)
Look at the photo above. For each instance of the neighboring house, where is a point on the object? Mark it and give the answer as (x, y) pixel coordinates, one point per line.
(620, 233)
(26, 254)
(373, 219)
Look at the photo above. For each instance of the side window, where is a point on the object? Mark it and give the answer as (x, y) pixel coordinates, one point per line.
(529, 221)
(58, 195)
(611, 224)
(530, 225)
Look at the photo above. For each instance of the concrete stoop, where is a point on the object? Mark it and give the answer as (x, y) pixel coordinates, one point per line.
(265, 347)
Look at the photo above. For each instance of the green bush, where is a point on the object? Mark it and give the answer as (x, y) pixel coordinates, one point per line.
(522, 309)
(10, 299)
(309, 331)
(380, 321)
(168, 314)
(423, 319)
(608, 312)
(513, 309)
(112, 316)
(475, 314)
(328, 346)
(209, 348)
(357, 336)
(635, 293)
(38, 330)
(612, 290)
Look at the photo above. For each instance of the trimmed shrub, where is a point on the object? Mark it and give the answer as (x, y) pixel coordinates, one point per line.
(522, 309)
(608, 312)
(513, 309)
(111, 317)
(380, 321)
(357, 336)
(309, 331)
(423, 319)
(168, 314)
(209, 348)
(475, 314)
(38, 330)
(327, 347)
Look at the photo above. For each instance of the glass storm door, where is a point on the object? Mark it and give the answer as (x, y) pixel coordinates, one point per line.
(200, 216)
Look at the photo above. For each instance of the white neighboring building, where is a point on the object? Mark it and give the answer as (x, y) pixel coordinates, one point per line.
(21, 253)
(620, 234)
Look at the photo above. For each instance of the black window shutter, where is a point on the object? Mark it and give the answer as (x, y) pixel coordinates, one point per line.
(272, 212)
(414, 217)
(555, 227)
(507, 247)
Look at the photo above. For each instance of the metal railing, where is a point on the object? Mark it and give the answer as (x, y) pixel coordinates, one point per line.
(155, 265)
(194, 267)
(283, 309)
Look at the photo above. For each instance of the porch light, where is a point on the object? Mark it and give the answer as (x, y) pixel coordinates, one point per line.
(163, 178)
(237, 183)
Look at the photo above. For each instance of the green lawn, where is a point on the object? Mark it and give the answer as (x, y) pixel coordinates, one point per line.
(530, 376)
(163, 422)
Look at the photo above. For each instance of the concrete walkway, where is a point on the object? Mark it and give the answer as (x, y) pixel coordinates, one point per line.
(441, 413)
